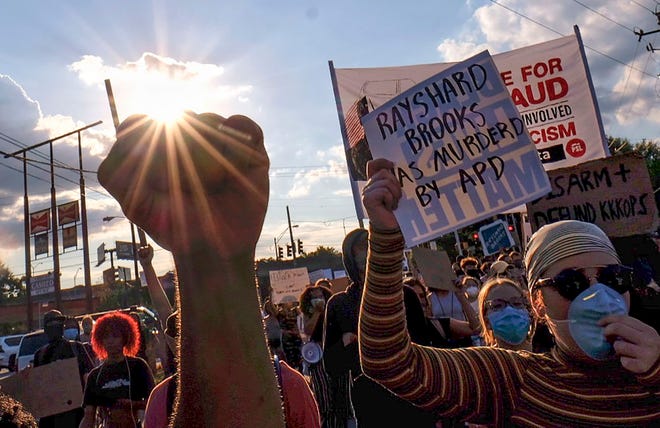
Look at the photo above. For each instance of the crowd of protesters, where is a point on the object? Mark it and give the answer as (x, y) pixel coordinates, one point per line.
(540, 337)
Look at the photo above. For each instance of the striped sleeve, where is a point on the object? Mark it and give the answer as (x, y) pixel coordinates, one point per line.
(479, 384)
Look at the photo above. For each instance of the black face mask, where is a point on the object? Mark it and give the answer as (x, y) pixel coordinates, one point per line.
(473, 273)
(54, 331)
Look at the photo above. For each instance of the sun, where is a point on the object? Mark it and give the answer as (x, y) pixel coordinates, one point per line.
(165, 112)
(163, 99)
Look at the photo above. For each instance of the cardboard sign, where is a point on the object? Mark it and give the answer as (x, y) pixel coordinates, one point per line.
(287, 284)
(339, 284)
(461, 151)
(47, 390)
(614, 193)
(495, 236)
(548, 83)
(435, 268)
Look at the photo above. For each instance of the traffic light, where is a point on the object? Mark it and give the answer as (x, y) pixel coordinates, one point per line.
(300, 247)
(510, 228)
(280, 252)
(288, 250)
(475, 236)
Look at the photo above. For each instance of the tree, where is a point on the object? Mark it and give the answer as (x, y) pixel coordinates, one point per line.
(11, 287)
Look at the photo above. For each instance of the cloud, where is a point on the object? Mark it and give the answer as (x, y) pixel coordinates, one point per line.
(153, 81)
(308, 180)
(628, 99)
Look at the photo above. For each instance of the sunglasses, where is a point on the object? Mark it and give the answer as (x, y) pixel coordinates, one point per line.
(569, 283)
(496, 305)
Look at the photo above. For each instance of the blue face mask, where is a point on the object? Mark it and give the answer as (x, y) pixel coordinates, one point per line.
(585, 311)
(510, 324)
(71, 333)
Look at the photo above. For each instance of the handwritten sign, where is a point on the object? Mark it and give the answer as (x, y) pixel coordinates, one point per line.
(549, 83)
(614, 193)
(63, 391)
(287, 284)
(460, 149)
(495, 236)
(435, 268)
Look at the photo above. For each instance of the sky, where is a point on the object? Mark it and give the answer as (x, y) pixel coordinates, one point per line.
(267, 60)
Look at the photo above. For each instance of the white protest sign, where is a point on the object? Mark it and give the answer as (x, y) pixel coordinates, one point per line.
(460, 149)
(549, 83)
(287, 284)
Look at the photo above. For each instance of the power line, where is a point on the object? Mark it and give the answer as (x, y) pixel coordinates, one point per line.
(606, 17)
(522, 15)
(643, 7)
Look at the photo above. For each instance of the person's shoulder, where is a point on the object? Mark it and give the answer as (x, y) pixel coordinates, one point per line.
(337, 298)
(290, 376)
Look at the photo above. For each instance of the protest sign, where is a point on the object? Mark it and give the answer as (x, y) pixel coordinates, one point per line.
(614, 193)
(460, 149)
(319, 274)
(495, 236)
(549, 84)
(63, 391)
(287, 284)
(434, 267)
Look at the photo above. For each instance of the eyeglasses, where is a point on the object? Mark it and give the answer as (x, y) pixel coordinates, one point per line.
(569, 283)
(497, 305)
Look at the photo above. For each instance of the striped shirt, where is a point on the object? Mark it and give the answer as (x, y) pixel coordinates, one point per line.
(489, 385)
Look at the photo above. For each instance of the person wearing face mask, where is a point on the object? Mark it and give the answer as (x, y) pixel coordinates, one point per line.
(469, 265)
(505, 314)
(71, 329)
(312, 306)
(603, 371)
(60, 348)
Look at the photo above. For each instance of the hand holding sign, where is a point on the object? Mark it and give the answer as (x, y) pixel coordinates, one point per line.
(204, 176)
(381, 194)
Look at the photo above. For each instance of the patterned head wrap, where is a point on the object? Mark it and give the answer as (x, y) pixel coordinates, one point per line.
(562, 239)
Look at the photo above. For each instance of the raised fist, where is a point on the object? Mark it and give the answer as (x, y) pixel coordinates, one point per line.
(200, 182)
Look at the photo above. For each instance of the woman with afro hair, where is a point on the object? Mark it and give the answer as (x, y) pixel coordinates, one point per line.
(116, 392)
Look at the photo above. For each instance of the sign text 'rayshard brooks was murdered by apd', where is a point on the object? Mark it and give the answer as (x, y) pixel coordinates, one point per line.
(460, 148)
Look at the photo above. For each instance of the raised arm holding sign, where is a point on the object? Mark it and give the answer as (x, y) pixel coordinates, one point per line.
(460, 150)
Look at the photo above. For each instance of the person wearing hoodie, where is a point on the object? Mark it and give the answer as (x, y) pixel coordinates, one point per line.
(355, 397)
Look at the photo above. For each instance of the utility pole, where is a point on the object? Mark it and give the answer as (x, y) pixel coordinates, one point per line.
(293, 245)
(85, 234)
(53, 208)
(56, 242)
(28, 256)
